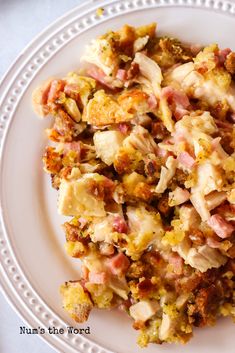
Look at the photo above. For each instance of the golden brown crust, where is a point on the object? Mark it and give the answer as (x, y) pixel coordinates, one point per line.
(230, 63)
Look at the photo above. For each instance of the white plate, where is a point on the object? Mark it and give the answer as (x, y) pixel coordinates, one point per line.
(33, 260)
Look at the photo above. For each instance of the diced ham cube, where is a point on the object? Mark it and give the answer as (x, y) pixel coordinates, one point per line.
(163, 153)
(99, 76)
(215, 143)
(186, 160)
(45, 92)
(179, 98)
(222, 55)
(122, 75)
(73, 146)
(72, 90)
(152, 101)
(83, 221)
(56, 87)
(124, 128)
(213, 243)
(223, 124)
(177, 262)
(125, 305)
(98, 277)
(120, 225)
(180, 112)
(118, 264)
(167, 92)
(178, 101)
(178, 136)
(220, 226)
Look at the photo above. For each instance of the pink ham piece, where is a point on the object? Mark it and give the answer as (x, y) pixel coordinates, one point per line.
(223, 124)
(178, 100)
(98, 277)
(180, 112)
(56, 87)
(99, 76)
(45, 93)
(122, 75)
(177, 262)
(152, 101)
(186, 160)
(82, 222)
(220, 226)
(73, 146)
(118, 264)
(212, 243)
(215, 143)
(72, 91)
(163, 153)
(178, 137)
(125, 305)
(120, 225)
(124, 128)
(108, 184)
(222, 55)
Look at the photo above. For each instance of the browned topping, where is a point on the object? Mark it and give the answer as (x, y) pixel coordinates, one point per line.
(231, 252)
(162, 205)
(71, 231)
(137, 269)
(230, 63)
(197, 237)
(138, 325)
(143, 191)
(123, 162)
(145, 287)
(132, 71)
(187, 284)
(159, 130)
(52, 160)
(205, 306)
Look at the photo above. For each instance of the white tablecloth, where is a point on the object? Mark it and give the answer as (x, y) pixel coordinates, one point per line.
(20, 21)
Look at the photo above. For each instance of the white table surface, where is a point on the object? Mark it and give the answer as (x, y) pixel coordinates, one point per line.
(20, 21)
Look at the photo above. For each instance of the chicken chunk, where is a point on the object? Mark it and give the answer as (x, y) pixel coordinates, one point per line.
(107, 144)
(189, 217)
(144, 310)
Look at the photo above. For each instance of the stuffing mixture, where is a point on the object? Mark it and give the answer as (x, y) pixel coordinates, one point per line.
(142, 154)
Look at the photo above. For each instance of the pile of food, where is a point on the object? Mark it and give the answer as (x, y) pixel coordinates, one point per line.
(142, 153)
